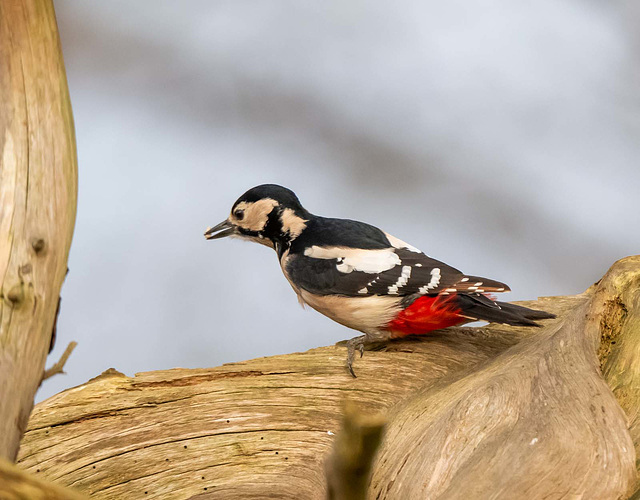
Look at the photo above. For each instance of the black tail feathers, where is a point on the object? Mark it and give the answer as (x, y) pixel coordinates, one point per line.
(482, 308)
(525, 311)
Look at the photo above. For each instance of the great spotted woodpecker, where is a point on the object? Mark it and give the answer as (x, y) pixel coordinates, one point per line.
(362, 277)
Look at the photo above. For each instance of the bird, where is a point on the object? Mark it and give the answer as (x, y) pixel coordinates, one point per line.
(362, 277)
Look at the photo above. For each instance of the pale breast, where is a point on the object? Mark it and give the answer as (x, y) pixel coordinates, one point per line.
(369, 315)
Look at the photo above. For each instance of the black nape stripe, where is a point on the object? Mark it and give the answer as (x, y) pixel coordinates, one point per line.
(273, 227)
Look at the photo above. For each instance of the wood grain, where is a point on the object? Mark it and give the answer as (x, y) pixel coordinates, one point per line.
(16, 484)
(38, 186)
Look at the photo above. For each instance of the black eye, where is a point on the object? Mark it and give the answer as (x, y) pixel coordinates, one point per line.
(239, 214)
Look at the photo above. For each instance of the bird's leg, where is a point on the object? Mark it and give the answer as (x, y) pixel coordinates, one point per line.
(352, 345)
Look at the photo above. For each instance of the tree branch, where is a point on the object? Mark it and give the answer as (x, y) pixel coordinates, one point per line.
(58, 367)
(38, 179)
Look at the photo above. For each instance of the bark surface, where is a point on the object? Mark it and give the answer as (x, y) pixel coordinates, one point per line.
(490, 412)
(38, 188)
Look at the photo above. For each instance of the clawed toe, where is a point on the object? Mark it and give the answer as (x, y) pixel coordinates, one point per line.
(352, 345)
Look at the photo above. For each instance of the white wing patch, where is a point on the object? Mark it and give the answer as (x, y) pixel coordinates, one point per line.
(402, 280)
(433, 282)
(353, 259)
(398, 243)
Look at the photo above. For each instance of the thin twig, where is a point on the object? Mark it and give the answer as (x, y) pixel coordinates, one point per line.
(58, 367)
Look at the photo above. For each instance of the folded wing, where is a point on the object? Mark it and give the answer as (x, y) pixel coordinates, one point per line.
(397, 271)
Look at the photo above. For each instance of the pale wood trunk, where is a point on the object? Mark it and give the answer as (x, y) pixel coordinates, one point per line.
(38, 190)
(492, 412)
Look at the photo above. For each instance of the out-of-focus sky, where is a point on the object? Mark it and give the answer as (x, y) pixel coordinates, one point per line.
(502, 137)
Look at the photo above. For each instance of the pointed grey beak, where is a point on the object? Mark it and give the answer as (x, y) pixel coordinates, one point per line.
(225, 228)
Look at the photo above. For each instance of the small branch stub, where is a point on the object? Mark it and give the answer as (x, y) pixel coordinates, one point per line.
(348, 467)
(58, 367)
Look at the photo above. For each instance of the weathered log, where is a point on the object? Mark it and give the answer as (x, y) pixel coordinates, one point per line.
(616, 312)
(38, 186)
(16, 484)
(473, 413)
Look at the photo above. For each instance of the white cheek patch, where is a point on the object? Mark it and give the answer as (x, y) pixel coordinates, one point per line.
(433, 282)
(256, 214)
(351, 259)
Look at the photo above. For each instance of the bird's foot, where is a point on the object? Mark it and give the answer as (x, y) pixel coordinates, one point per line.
(353, 344)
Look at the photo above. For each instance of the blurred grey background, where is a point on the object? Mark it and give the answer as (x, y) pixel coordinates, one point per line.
(500, 136)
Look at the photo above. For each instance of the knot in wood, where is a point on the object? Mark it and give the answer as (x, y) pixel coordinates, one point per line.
(38, 244)
(16, 294)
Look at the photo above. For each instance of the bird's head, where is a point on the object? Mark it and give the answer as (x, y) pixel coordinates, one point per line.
(268, 214)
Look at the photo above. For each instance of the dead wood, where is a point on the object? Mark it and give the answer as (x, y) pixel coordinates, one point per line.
(616, 314)
(485, 412)
(16, 484)
(38, 186)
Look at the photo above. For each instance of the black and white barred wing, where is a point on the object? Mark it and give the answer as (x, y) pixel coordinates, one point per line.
(399, 270)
